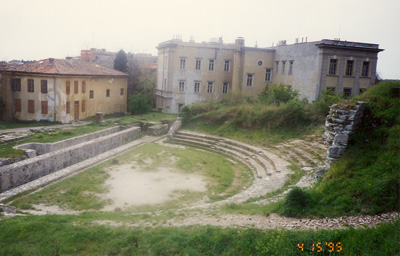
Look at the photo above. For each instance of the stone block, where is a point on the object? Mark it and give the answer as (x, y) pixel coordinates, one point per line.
(335, 151)
(341, 140)
(99, 117)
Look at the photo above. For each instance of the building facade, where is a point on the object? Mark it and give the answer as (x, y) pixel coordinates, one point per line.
(189, 72)
(63, 90)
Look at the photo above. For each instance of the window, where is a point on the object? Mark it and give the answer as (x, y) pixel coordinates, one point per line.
(349, 68)
(225, 88)
(347, 92)
(333, 89)
(268, 73)
(67, 87)
(332, 67)
(91, 94)
(227, 66)
(365, 68)
(283, 67)
(290, 71)
(196, 87)
(276, 67)
(180, 106)
(181, 86)
(76, 87)
(182, 63)
(211, 65)
(83, 105)
(198, 64)
(260, 63)
(31, 106)
(44, 107)
(108, 93)
(122, 91)
(210, 87)
(83, 86)
(16, 84)
(249, 82)
(43, 86)
(68, 108)
(31, 85)
(17, 105)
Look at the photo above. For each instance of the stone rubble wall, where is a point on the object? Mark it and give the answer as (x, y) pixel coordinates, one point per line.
(35, 149)
(157, 130)
(175, 126)
(30, 169)
(342, 121)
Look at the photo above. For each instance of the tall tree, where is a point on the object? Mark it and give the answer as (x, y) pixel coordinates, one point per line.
(121, 61)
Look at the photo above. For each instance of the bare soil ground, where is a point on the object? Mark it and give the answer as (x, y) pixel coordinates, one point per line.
(131, 186)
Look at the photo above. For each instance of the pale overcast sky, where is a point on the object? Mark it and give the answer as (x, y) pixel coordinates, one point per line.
(39, 29)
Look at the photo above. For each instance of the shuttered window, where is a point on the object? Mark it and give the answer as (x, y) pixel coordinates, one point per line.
(43, 86)
(83, 86)
(76, 87)
(31, 106)
(44, 107)
(68, 108)
(67, 87)
(31, 85)
(83, 105)
(17, 105)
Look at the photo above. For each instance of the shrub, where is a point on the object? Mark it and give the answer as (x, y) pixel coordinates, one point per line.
(296, 202)
(139, 104)
(277, 94)
(320, 107)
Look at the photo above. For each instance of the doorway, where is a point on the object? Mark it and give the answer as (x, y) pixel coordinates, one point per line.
(76, 111)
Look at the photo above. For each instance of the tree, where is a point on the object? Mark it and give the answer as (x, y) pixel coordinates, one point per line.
(139, 104)
(121, 61)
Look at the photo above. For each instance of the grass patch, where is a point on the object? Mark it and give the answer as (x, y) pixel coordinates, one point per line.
(24, 124)
(72, 235)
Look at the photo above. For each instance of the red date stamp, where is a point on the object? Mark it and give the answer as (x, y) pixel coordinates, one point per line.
(320, 246)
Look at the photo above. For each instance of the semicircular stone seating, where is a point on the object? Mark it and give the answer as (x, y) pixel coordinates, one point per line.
(270, 171)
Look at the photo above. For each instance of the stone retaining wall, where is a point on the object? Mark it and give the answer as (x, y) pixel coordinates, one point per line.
(30, 169)
(35, 149)
(342, 121)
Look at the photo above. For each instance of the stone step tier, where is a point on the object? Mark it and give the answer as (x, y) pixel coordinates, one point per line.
(260, 161)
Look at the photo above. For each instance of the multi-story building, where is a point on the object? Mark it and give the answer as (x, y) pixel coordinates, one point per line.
(62, 90)
(189, 72)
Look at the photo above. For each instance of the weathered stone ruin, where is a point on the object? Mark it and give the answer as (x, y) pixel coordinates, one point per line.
(341, 122)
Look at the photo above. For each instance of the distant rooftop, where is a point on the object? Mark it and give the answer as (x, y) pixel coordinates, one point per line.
(67, 66)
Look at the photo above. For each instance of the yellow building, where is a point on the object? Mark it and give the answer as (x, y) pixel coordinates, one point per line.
(189, 72)
(63, 90)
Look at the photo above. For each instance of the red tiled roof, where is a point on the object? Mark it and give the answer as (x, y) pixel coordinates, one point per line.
(65, 67)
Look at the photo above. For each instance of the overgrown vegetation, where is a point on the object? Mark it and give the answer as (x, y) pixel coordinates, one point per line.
(77, 235)
(275, 116)
(366, 180)
(139, 104)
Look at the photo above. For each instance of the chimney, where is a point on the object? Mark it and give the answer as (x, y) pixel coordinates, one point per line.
(51, 60)
(69, 60)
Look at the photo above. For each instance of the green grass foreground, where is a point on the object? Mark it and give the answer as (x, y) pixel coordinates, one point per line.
(76, 235)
